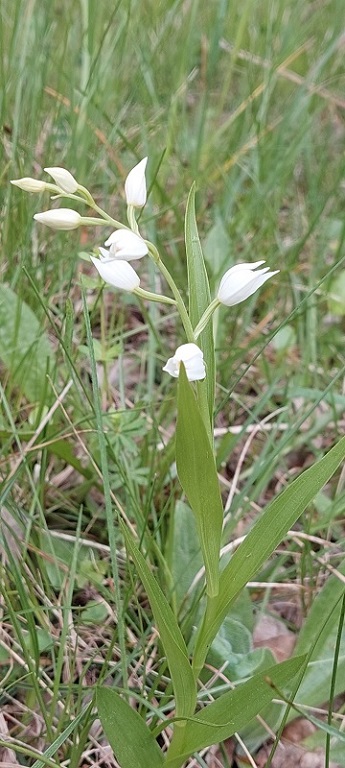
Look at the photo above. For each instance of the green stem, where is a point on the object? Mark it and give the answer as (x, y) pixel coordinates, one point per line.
(91, 220)
(132, 220)
(201, 645)
(206, 317)
(176, 746)
(153, 296)
(201, 387)
(178, 298)
(86, 195)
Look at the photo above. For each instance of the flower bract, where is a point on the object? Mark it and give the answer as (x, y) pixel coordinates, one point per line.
(59, 218)
(192, 358)
(125, 244)
(116, 272)
(63, 179)
(241, 281)
(135, 185)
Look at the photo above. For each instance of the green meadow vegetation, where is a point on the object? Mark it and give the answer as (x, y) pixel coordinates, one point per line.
(100, 556)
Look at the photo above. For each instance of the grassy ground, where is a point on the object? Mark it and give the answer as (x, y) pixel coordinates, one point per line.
(247, 100)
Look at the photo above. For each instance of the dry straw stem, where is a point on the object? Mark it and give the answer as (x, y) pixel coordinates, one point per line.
(46, 419)
(289, 74)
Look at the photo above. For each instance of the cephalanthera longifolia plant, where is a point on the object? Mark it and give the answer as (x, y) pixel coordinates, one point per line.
(134, 738)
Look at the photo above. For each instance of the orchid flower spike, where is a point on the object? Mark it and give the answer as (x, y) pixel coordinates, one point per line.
(242, 281)
(63, 179)
(60, 218)
(125, 244)
(116, 272)
(135, 185)
(192, 358)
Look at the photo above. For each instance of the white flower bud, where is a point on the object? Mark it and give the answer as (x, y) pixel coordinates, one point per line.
(29, 185)
(135, 185)
(59, 218)
(63, 179)
(125, 244)
(241, 281)
(117, 273)
(192, 358)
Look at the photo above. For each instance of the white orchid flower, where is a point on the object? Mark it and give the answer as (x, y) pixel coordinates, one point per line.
(63, 179)
(242, 281)
(192, 358)
(29, 185)
(60, 218)
(135, 185)
(125, 244)
(116, 272)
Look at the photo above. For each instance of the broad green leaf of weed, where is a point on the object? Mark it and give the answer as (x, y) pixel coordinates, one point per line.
(63, 449)
(233, 710)
(127, 733)
(199, 297)
(318, 636)
(217, 247)
(186, 557)
(197, 473)
(336, 295)
(232, 650)
(278, 517)
(24, 348)
(171, 637)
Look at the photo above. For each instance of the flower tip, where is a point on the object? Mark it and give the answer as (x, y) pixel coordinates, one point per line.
(117, 273)
(135, 185)
(59, 218)
(29, 185)
(241, 281)
(63, 179)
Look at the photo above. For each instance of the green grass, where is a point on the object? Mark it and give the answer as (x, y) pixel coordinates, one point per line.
(247, 100)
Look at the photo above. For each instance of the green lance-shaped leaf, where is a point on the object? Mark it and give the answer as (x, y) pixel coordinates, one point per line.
(127, 732)
(278, 517)
(232, 711)
(172, 640)
(24, 348)
(199, 297)
(197, 473)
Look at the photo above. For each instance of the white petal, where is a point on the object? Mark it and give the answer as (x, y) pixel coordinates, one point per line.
(245, 265)
(237, 287)
(63, 179)
(120, 274)
(59, 218)
(105, 255)
(188, 351)
(172, 366)
(195, 370)
(125, 244)
(135, 185)
(29, 185)
(192, 357)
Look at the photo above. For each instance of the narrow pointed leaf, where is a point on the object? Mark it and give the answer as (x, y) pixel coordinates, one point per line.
(172, 640)
(197, 473)
(278, 517)
(127, 732)
(199, 296)
(233, 710)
